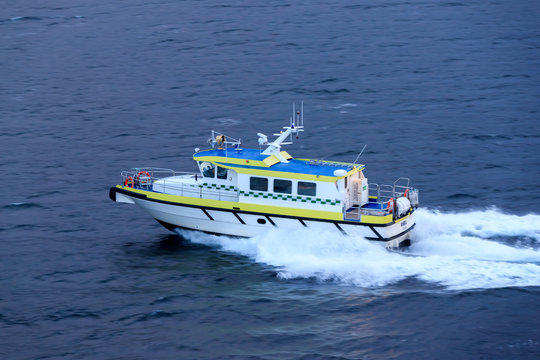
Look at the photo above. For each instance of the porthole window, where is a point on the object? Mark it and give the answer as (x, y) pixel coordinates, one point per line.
(283, 186)
(261, 221)
(307, 188)
(258, 184)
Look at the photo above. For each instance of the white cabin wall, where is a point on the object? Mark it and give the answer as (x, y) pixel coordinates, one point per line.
(231, 180)
(328, 190)
(219, 189)
(325, 191)
(232, 177)
(243, 181)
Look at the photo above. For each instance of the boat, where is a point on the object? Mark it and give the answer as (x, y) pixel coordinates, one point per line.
(243, 192)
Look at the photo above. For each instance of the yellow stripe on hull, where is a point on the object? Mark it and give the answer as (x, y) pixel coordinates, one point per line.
(257, 208)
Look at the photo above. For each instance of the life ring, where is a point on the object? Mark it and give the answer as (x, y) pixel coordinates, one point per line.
(406, 194)
(390, 205)
(146, 180)
(129, 181)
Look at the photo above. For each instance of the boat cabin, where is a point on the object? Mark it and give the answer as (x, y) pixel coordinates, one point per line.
(300, 183)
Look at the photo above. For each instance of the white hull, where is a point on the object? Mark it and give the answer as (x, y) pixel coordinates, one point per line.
(244, 224)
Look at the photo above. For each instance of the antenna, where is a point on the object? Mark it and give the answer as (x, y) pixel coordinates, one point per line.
(275, 146)
(297, 115)
(355, 160)
(302, 116)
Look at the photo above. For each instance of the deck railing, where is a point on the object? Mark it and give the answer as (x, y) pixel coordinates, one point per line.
(196, 190)
(382, 199)
(145, 178)
(386, 192)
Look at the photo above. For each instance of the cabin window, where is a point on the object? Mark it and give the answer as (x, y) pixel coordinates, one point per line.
(208, 169)
(221, 173)
(307, 188)
(259, 184)
(283, 186)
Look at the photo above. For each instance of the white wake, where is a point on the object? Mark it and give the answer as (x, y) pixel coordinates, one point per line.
(469, 250)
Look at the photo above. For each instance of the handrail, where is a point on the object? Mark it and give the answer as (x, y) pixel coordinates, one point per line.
(401, 187)
(155, 172)
(402, 179)
(138, 179)
(201, 192)
(384, 193)
(329, 163)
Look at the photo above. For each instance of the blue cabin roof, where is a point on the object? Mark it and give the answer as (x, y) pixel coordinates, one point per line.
(247, 154)
(253, 159)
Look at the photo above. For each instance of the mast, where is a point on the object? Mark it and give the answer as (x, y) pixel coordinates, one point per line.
(274, 148)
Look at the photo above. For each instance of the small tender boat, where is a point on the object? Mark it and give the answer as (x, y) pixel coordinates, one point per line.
(243, 192)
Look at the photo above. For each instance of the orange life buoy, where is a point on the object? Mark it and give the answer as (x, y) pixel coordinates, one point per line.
(129, 181)
(390, 205)
(145, 180)
(406, 193)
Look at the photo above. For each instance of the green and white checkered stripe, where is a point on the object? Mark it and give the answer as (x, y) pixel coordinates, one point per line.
(300, 199)
(218, 187)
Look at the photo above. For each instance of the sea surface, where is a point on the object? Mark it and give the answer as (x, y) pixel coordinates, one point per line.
(446, 93)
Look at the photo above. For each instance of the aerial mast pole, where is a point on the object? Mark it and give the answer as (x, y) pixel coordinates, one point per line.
(275, 146)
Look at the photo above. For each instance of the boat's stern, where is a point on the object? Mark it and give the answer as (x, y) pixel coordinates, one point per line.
(398, 234)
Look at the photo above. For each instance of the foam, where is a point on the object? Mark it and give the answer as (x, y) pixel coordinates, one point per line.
(454, 250)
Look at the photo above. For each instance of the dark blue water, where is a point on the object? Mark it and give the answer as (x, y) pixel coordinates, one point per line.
(446, 93)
